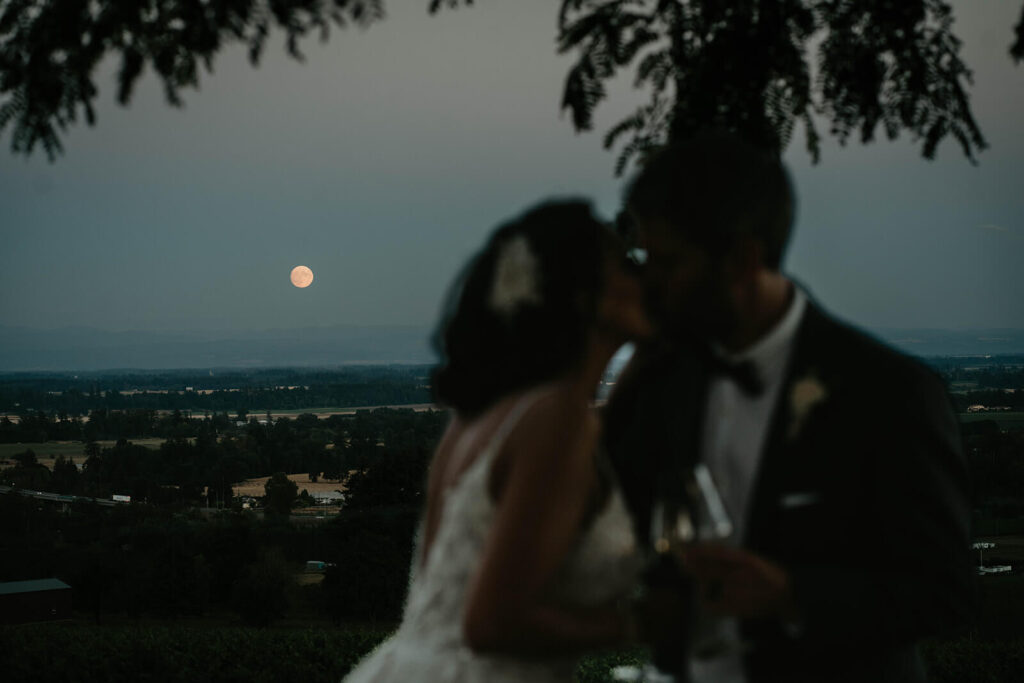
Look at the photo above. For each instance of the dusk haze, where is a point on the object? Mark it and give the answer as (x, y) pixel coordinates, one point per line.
(512, 341)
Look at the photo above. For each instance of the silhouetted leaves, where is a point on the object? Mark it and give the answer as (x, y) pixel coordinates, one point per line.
(741, 65)
(744, 66)
(1017, 49)
(49, 50)
(436, 5)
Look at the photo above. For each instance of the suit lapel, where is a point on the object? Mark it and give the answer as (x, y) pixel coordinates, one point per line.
(804, 361)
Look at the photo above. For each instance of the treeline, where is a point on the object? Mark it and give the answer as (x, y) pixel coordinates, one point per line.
(73, 402)
(165, 559)
(105, 425)
(1013, 399)
(205, 457)
(73, 395)
(64, 395)
(1000, 372)
(229, 378)
(996, 460)
(111, 425)
(138, 560)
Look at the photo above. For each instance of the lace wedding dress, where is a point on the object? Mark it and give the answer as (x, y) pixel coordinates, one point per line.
(429, 646)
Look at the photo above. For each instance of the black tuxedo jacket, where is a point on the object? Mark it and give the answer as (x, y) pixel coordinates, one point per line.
(861, 494)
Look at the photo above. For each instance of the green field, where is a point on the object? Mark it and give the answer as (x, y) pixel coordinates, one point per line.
(72, 449)
(1010, 421)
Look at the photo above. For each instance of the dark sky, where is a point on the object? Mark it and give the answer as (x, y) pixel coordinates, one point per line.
(384, 160)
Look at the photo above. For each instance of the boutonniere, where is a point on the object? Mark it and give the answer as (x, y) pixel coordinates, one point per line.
(807, 392)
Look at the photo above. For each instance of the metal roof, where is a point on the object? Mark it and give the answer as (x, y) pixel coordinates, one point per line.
(32, 586)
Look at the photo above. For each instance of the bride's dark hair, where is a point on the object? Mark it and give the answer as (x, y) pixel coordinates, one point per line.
(488, 351)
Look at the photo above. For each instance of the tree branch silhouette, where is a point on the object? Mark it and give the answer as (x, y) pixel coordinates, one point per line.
(758, 67)
(746, 66)
(49, 49)
(1017, 49)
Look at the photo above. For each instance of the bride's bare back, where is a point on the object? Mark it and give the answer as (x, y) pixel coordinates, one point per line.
(541, 482)
(552, 417)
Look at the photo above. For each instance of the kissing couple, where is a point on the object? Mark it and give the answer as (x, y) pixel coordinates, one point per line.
(768, 495)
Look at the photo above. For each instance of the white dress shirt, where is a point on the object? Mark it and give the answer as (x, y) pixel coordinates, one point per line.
(734, 433)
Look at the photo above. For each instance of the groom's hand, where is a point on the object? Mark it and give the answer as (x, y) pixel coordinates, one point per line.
(738, 583)
(658, 613)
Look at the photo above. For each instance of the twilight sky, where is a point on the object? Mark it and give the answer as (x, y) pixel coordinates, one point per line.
(384, 160)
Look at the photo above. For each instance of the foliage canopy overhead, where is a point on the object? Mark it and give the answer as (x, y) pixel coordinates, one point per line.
(744, 66)
(754, 66)
(49, 49)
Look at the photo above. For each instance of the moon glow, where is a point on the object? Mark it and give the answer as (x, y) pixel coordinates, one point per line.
(301, 276)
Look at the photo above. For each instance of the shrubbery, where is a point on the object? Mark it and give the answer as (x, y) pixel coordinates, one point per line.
(371, 576)
(56, 653)
(45, 653)
(970, 660)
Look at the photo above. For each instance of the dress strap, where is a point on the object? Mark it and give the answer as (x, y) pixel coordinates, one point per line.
(508, 423)
(515, 414)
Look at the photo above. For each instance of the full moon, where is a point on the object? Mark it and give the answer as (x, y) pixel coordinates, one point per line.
(302, 276)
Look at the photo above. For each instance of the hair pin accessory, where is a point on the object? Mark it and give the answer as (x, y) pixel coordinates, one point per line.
(516, 277)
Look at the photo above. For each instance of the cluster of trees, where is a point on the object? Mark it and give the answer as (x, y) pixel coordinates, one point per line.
(168, 560)
(1000, 372)
(996, 459)
(163, 558)
(144, 560)
(39, 426)
(73, 402)
(99, 381)
(203, 462)
(990, 382)
(281, 389)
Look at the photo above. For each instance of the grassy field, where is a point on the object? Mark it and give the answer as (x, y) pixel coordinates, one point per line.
(255, 487)
(46, 452)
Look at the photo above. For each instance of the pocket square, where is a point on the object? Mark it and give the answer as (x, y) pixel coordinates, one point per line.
(801, 499)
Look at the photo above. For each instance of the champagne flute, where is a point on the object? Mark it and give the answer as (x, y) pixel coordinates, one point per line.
(712, 636)
(698, 514)
(702, 517)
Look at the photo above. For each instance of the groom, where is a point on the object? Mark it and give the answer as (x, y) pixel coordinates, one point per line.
(838, 459)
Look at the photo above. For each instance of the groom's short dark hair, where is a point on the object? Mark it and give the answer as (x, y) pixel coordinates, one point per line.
(715, 188)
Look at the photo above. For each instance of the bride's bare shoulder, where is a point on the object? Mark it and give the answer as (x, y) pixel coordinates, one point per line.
(555, 417)
(537, 405)
(558, 404)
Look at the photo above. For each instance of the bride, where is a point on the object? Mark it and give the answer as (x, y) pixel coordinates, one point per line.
(526, 554)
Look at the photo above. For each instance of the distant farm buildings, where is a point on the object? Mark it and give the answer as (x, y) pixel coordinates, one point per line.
(328, 497)
(993, 569)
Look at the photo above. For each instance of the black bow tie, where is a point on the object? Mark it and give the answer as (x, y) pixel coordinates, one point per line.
(743, 373)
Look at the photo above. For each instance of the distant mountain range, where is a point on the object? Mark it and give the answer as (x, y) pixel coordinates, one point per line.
(928, 343)
(86, 348)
